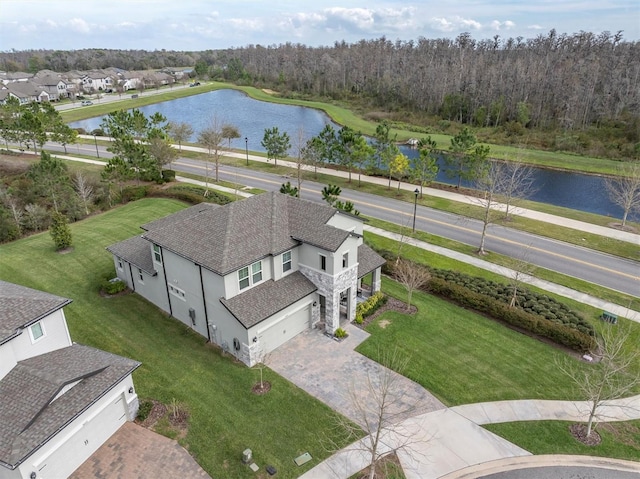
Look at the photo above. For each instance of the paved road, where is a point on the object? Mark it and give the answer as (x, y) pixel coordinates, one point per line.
(563, 472)
(599, 268)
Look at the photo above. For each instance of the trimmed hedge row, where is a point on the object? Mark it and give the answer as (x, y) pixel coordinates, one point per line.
(529, 301)
(553, 330)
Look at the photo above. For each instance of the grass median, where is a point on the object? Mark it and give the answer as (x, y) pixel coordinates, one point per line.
(226, 417)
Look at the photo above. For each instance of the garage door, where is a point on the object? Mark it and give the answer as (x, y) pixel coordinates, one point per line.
(70, 455)
(287, 328)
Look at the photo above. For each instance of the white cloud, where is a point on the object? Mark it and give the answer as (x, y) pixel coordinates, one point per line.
(535, 27)
(507, 25)
(79, 25)
(454, 23)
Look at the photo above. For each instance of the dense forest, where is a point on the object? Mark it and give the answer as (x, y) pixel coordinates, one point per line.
(582, 82)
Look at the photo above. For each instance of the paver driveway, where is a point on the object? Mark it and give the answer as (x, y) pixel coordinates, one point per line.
(329, 370)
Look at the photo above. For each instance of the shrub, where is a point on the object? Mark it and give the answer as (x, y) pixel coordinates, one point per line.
(133, 193)
(60, 231)
(368, 307)
(144, 410)
(168, 175)
(113, 286)
(98, 132)
(340, 333)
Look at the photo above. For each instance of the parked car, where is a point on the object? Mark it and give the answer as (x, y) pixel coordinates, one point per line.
(87, 103)
(197, 83)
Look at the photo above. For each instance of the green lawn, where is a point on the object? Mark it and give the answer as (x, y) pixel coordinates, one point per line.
(619, 439)
(226, 417)
(463, 357)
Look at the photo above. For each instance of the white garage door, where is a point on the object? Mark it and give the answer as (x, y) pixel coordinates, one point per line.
(77, 449)
(286, 329)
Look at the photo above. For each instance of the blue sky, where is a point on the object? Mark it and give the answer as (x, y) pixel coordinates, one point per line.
(201, 24)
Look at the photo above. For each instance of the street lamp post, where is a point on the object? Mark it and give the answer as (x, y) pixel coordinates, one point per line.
(246, 148)
(96, 142)
(415, 207)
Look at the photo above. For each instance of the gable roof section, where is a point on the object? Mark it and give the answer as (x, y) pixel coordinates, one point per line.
(268, 298)
(21, 306)
(136, 251)
(368, 260)
(235, 235)
(179, 215)
(28, 418)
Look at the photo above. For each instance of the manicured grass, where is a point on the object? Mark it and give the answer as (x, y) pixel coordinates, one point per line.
(463, 357)
(226, 417)
(619, 439)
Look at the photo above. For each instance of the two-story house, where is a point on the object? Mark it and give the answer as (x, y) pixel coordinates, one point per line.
(252, 274)
(59, 401)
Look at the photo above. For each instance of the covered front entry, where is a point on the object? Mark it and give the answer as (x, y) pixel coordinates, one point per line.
(285, 329)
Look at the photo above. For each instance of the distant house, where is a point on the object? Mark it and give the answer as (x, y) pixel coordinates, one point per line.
(25, 92)
(59, 401)
(253, 274)
(55, 86)
(10, 77)
(95, 81)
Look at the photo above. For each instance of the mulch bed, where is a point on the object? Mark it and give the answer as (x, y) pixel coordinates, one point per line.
(261, 389)
(392, 304)
(579, 432)
(178, 421)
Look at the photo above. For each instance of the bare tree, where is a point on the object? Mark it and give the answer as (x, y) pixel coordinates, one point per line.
(84, 190)
(624, 190)
(163, 153)
(411, 275)
(521, 268)
(299, 157)
(381, 410)
(180, 132)
(211, 139)
(612, 377)
(489, 182)
(230, 132)
(517, 183)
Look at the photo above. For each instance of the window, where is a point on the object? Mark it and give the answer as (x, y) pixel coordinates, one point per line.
(286, 261)
(323, 262)
(120, 266)
(140, 276)
(177, 292)
(244, 280)
(345, 260)
(157, 256)
(256, 272)
(243, 277)
(36, 331)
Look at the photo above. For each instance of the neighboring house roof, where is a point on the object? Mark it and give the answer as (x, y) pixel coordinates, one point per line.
(268, 298)
(25, 89)
(368, 260)
(136, 251)
(235, 235)
(21, 306)
(28, 417)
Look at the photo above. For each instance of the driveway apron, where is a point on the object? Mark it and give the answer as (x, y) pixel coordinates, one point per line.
(331, 371)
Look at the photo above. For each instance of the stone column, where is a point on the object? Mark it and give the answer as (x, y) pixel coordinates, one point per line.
(376, 280)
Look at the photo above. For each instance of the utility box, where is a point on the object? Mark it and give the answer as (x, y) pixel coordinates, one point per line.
(247, 456)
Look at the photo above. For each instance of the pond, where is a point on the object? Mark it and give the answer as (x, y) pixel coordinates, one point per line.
(251, 117)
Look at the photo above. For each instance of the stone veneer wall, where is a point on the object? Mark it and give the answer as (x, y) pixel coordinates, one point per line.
(330, 287)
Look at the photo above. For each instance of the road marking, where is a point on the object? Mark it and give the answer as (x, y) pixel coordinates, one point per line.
(461, 228)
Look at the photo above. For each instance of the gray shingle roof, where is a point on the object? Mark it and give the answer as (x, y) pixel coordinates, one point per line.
(268, 298)
(20, 306)
(28, 418)
(180, 215)
(227, 238)
(136, 251)
(368, 260)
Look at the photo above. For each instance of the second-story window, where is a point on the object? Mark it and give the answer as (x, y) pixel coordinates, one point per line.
(286, 261)
(345, 260)
(157, 256)
(323, 262)
(256, 272)
(247, 278)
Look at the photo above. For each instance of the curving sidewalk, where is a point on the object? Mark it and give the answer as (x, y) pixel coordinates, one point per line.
(450, 440)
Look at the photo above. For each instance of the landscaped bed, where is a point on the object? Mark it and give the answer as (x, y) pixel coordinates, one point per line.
(225, 417)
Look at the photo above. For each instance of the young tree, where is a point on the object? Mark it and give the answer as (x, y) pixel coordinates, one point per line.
(385, 147)
(35, 217)
(180, 132)
(50, 179)
(459, 164)
(521, 269)
(411, 275)
(84, 190)
(362, 154)
(312, 154)
(398, 167)
(211, 139)
(517, 183)
(60, 231)
(328, 144)
(277, 144)
(381, 410)
(345, 145)
(230, 132)
(288, 189)
(64, 135)
(330, 194)
(489, 181)
(162, 152)
(425, 167)
(612, 377)
(299, 158)
(624, 190)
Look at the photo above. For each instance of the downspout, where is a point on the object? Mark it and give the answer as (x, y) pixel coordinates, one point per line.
(166, 285)
(133, 283)
(204, 304)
